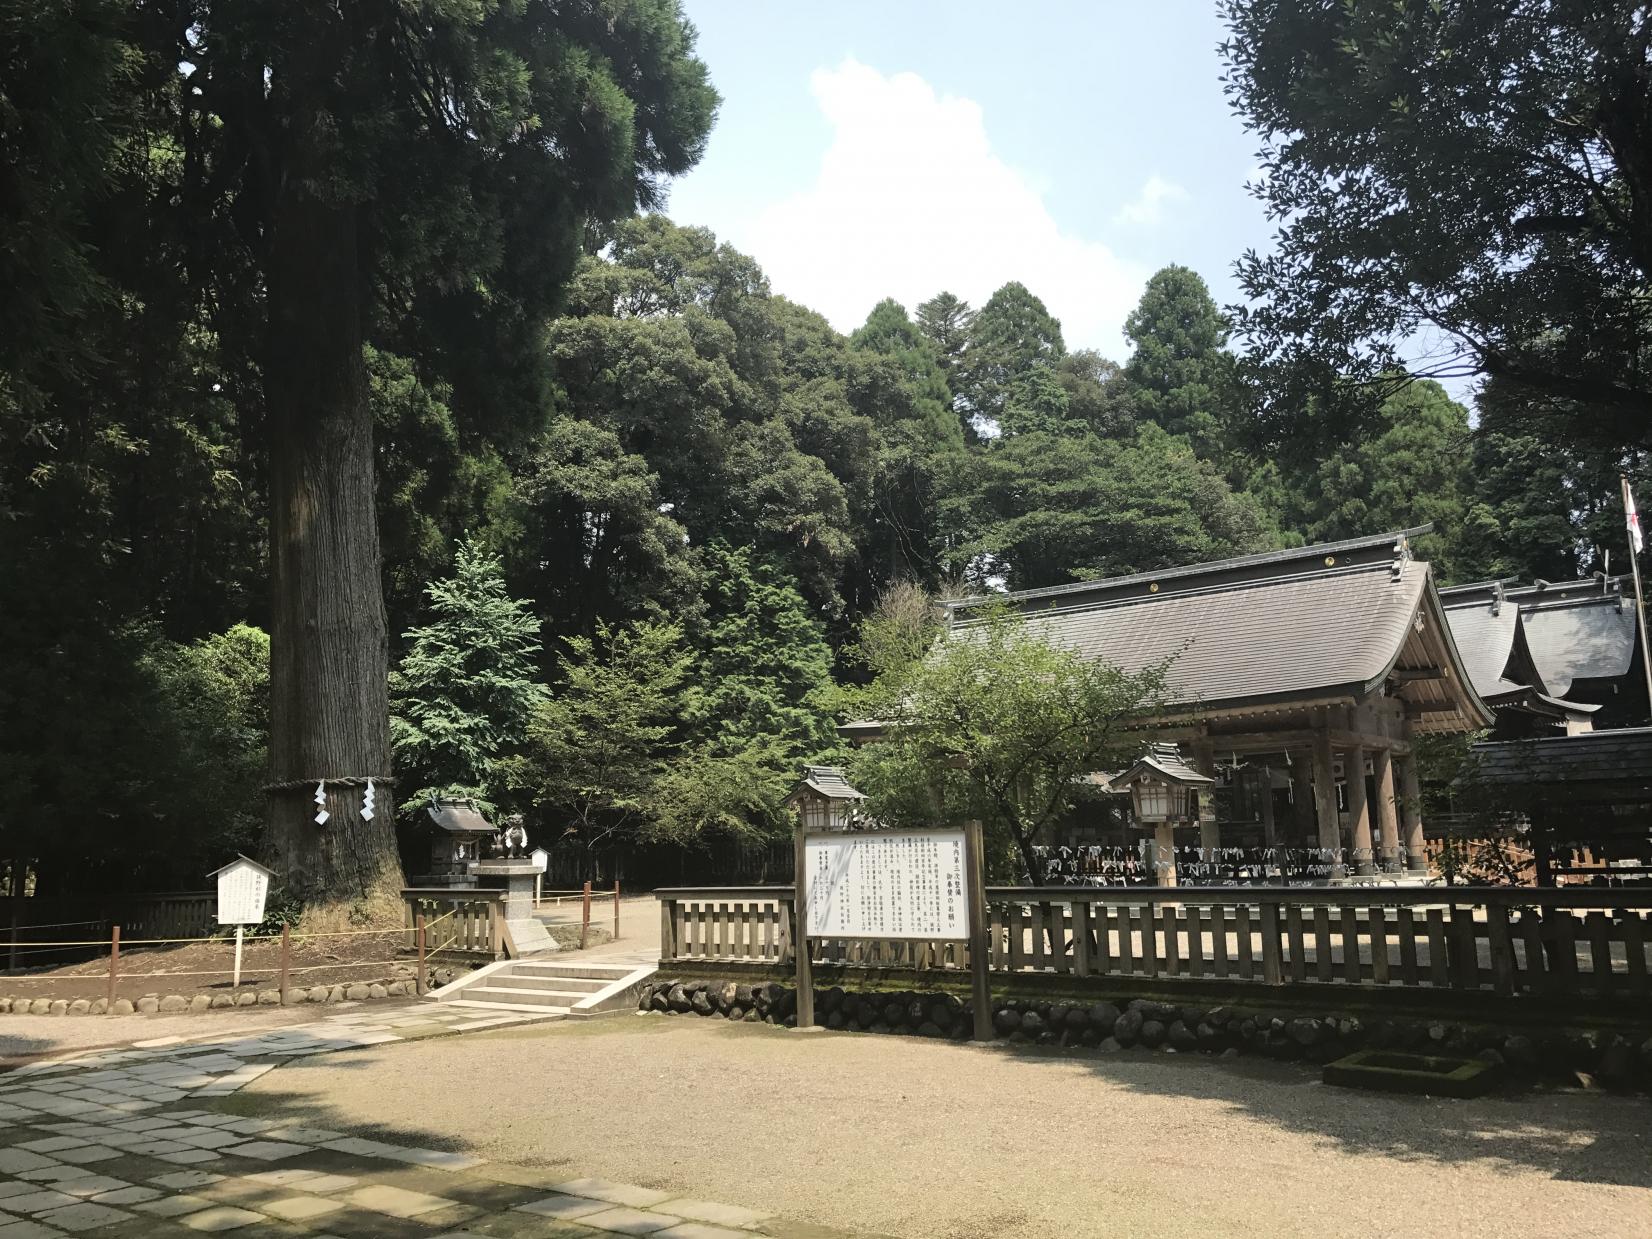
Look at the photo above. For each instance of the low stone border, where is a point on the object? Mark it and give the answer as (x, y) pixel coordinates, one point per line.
(179, 1004)
(1613, 1059)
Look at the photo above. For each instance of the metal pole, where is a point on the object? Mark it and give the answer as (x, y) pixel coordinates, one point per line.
(236, 983)
(114, 967)
(286, 960)
(616, 909)
(585, 921)
(1640, 603)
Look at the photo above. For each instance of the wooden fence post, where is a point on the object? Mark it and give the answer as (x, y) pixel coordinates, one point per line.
(114, 967)
(286, 959)
(585, 920)
(800, 937)
(424, 981)
(616, 909)
(975, 878)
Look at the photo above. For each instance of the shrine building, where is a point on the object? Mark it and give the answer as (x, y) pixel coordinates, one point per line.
(1298, 680)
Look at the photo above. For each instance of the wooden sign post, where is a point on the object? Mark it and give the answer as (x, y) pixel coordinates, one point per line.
(243, 886)
(921, 885)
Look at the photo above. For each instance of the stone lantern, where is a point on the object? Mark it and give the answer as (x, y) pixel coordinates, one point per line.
(1166, 793)
(825, 799)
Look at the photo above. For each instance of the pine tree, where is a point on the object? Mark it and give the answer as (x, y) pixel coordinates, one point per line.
(468, 686)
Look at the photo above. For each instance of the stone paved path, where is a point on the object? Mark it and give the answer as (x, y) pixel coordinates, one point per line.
(118, 1143)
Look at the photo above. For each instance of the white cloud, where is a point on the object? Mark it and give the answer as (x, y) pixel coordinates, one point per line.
(1147, 208)
(911, 199)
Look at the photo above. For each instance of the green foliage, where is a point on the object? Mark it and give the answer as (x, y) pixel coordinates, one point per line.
(600, 746)
(1012, 339)
(1455, 170)
(995, 724)
(467, 687)
(1181, 374)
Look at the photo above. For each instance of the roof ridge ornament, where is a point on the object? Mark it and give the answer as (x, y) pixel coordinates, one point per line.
(1402, 555)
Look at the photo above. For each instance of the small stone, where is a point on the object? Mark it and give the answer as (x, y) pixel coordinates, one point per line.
(200, 1002)
(1103, 1016)
(927, 1029)
(376, 990)
(724, 997)
(172, 1004)
(1153, 1034)
(1231, 1052)
(269, 998)
(1209, 1036)
(1305, 1031)
(148, 1004)
(220, 1001)
(678, 999)
(1109, 1045)
(657, 1001)
(834, 1019)
(123, 1006)
(1438, 1032)
(246, 998)
(743, 996)
(1032, 1024)
(357, 992)
(319, 993)
(1617, 1063)
(1127, 1028)
(60, 1006)
(1006, 1021)
(100, 1006)
(5, 1004)
(751, 1016)
(700, 1004)
(80, 1006)
(1521, 1051)
(1181, 1037)
(397, 989)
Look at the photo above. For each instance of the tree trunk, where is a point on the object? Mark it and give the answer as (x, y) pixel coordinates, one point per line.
(329, 709)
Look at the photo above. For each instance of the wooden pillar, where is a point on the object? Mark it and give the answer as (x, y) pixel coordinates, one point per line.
(1270, 832)
(1164, 854)
(1325, 800)
(1210, 833)
(1359, 810)
(1388, 822)
(1411, 813)
(800, 933)
(1302, 794)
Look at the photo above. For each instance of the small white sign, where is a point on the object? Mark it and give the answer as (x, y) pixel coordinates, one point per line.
(243, 886)
(893, 884)
(541, 859)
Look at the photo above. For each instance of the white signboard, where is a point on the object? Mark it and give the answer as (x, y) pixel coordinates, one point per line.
(242, 887)
(541, 859)
(887, 885)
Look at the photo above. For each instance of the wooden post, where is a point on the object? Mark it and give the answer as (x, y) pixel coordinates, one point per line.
(1325, 798)
(1388, 823)
(800, 937)
(286, 959)
(980, 991)
(1411, 812)
(1359, 809)
(424, 975)
(1270, 831)
(114, 966)
(668, 936)
(240, 933)
(585, 921)
(1210, 832)
(616, 909)
(1164, 854)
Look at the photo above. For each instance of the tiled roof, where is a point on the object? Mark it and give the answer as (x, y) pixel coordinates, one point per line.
(1328, 617)
(1166, 760)
(1624, 753)
(458, 817)
(1484, 632)
(828, 781)
(1587, 639)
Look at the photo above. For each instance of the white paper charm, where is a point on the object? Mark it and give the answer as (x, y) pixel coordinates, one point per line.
(367, 803)
(321, 803)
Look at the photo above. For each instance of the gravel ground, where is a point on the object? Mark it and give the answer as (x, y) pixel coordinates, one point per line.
(916, 1138)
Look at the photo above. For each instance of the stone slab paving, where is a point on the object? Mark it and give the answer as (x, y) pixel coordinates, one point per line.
(122, 1144)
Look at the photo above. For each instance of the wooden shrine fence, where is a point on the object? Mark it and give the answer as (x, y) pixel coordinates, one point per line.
(1492, 940)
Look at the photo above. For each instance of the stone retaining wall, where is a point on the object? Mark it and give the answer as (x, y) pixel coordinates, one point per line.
(174, 1004)
(1616, 1059)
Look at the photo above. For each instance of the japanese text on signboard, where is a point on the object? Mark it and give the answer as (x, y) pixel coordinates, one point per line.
(887, 885)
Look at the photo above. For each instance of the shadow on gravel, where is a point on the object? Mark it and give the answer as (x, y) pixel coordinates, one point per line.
(1586, 1137)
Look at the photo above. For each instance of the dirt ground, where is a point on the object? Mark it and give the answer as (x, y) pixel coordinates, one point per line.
(911, 1137)
(208, 968)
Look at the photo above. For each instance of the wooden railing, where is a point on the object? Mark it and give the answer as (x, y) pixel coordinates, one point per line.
(1505, 941)
(476, 926)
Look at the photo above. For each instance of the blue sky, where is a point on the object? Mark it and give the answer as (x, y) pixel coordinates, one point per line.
(869, 150)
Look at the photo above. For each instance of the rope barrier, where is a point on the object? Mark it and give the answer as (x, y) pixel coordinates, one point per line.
(343, 780)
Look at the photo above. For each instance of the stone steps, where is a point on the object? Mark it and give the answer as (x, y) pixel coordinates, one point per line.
(553, 986)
